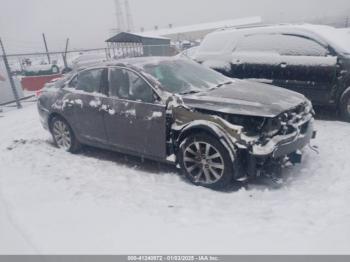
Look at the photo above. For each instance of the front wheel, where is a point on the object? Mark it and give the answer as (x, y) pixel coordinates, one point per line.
(63, 135)
(206, 162)
(345, 105)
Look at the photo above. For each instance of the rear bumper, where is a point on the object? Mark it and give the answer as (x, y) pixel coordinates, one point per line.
(44, 116)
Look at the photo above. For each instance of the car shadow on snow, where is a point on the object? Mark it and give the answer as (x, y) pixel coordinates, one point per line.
(133, 162)
(145, 165)
(154, 167)
(160, 168)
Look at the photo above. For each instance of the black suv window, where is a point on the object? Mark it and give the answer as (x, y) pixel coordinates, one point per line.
(283, 44)
(88, 81)
(128, 85)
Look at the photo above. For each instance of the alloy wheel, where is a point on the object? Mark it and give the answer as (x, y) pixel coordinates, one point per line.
(203, 162)
(62, 134)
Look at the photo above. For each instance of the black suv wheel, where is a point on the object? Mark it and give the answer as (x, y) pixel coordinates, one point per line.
(345, 105)
(63, 135)
(206, 162)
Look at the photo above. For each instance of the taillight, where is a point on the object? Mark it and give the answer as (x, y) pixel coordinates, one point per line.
(38, 93)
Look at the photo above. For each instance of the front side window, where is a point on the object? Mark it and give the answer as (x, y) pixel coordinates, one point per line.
(282, 44)
(89, 81)
(128, 85)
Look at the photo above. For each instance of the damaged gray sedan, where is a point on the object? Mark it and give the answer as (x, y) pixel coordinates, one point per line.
(169, 109)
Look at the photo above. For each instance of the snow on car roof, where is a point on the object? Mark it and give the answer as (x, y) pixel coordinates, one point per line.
(203, 26)
(223, 38)
(142, 60)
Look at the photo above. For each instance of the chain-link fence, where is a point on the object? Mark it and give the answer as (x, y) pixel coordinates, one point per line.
(21, 64)
(30, 71)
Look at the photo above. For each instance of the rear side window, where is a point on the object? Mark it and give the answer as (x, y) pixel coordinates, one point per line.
(89, 81)
(282, 44)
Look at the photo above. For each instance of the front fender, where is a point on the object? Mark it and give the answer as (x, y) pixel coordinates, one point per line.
(211, 128)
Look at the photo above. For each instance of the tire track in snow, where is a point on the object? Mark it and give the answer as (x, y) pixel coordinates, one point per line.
(11, 233)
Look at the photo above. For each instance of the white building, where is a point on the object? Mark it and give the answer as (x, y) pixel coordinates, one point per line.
(198, 31)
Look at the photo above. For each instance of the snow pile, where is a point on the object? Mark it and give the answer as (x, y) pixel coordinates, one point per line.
(155, 115)
(97, 202)
(95, 103)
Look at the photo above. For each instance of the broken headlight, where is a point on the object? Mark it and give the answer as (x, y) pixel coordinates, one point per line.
(272, 127)
(252, 125)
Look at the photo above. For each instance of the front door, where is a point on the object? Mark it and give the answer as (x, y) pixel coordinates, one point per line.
(134, 119)
(307, 67)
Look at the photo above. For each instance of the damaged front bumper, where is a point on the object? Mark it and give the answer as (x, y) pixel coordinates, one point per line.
(281, 148)
(282, 145)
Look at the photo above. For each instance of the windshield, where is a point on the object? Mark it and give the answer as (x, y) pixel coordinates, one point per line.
(342, 39)
(339, 38)
(182, 76)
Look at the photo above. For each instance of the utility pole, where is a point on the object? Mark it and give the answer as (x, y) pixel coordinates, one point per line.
(119, 16)
(8, 69)
(129, 21)
(65, 54)
(47, 50)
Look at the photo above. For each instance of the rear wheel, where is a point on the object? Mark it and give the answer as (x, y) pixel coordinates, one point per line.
(345, 105)
(206, 162)
(63, 135)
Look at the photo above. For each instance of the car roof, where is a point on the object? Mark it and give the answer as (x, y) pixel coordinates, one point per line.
(224, 40)
(302, 28)
(134, 61)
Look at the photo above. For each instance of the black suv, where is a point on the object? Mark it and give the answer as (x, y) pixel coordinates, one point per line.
(310, 59)
(176, 110)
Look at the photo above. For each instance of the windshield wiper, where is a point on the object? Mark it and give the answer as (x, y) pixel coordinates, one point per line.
(223, 84)
(190, 92)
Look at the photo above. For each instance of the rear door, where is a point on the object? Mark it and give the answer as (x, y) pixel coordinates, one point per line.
(85, 103)
(134, 120)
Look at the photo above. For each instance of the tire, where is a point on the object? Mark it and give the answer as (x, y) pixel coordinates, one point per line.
(63, 135)
(345, 105)
(212, 168)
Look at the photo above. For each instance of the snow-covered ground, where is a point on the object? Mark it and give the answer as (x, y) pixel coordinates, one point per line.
(52, 202)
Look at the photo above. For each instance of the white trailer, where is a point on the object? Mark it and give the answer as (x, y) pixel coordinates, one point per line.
(6, 94)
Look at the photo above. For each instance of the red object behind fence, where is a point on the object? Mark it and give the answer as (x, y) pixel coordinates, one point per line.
(35, 83)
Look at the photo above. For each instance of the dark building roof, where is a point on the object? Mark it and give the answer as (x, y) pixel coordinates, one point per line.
(125, 37)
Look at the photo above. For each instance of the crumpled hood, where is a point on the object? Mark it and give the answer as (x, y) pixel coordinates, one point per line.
(246, 98)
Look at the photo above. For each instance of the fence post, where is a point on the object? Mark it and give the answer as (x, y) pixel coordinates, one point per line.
(47, 50)
(8, 69)
(65, 54)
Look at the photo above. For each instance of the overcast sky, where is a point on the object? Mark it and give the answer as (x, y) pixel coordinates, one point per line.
(88, 22)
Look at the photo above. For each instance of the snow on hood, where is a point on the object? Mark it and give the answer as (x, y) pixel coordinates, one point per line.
(246, 98)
